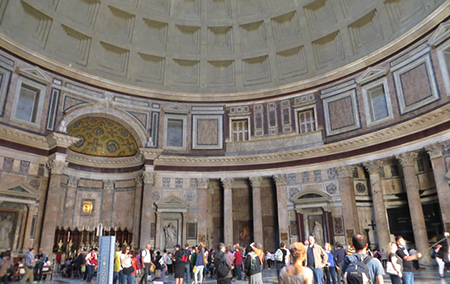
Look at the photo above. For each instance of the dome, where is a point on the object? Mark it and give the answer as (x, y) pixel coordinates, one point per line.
(102, 137)
(213, 50)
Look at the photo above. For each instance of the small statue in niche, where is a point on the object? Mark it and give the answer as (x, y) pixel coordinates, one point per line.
(170, 233)
(318, 233)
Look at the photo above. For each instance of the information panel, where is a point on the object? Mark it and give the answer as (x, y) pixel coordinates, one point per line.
(106, 260)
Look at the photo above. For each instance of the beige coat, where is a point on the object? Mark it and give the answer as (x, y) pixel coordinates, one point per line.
(320, 256)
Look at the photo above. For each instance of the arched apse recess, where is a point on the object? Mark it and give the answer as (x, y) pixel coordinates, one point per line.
(139, 133)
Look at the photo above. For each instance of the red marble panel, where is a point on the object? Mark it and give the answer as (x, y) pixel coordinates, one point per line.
(341, 113)
(415, 84)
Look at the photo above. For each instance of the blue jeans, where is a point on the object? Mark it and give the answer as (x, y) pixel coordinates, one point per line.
(90, 269)
(395, 279)
(408, 278)
(237, 268)
(188, 273)
(317, 272)
(121, 277)
(129, 278)
(330, 274)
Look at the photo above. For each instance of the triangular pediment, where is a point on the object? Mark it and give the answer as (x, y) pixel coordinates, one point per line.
(371, 74)
(172, 202)
(71, 102)
(311, 196)
(176, 108)
(35, 73)
(19, 190)
(442, 33)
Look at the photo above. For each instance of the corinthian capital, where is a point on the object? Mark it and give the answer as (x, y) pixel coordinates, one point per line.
(227, 182)
(149, 177)
(373, 167)
(138, 180)
(256, 181)
(280, 179)
(202, 183)
(345, 171)
(407, 159)
(56, 167)
(435, 150)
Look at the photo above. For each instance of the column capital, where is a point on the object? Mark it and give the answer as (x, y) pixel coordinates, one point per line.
(149, 177)
(373, 167)
(73, 181)
(280, 179)
(345, 171)
(407, 159)
(203, 183)
(61, 140)
(138, 180)
(56, 166)
(108, 184)
(256, 181)
(435, 150)
(227, 182)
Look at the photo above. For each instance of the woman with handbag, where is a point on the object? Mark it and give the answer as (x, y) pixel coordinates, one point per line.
(91, 263)
(394, 264)
(127, 266)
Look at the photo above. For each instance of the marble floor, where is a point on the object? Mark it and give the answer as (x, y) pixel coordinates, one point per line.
(430, 276)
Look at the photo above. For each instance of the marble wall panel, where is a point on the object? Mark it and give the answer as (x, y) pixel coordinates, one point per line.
(123, 209)
(90, 183)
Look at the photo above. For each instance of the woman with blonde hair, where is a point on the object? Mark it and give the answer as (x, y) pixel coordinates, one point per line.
(296, 273)
(394, 264)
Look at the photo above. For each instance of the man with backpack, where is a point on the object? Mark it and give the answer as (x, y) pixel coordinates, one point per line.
(359, 267)
(223, 266)
(187, 260)
(281, 258)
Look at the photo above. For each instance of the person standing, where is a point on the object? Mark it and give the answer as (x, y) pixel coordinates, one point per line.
(402, 251)
(316, 259)
(179, 265)
(281, 258)
(223, 265)
(77, 263)
(253, 267)
(441, 256)
(238, 262)
(199, 265)
(339, 255)
(330, 268)
(5, 267)
(117, 276)
(30, 262)
(296, 273)
(146, 263)
(41, 258)
(396, 262)
(127, 265)
(374, 267)
(187, 263)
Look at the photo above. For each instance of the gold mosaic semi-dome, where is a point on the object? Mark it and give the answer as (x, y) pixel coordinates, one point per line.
(102, 137)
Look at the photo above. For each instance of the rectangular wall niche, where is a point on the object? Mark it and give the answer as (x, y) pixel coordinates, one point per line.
(207, 132)
(175, 131)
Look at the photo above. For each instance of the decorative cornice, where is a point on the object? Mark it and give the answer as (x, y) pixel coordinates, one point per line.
(227, 183)
(104, 162)
(407, 159)
(149, 177)
(280, 179)
(441, 34)
(56, 167)
(150, 154)
(202, 183)
(60, 140)
(345, 171)
(435, 150)
(373, 167)
(256, 181)
(23, 137)
(399, 130)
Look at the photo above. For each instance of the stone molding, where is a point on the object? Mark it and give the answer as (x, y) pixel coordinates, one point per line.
(373, 167)
(403, 129)
(60, 140)
(435, 150)
(105, 162)
(138, 180)
(227, 183)
(149, 177)
(280, 179)
(73, 181)
(150, 154)
(202, 183)
(108, 184)
(407, 159)
(256, 181)
(345, 171)
(56, 167)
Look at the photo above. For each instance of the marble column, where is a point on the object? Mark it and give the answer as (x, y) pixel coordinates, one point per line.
(137, 212)
(106, 216)
(28, 241)
(147, 209)
(258, 235)
(301, 226)
(349, 211)
(202, 194)
(52, 205)
(407, 161)
(69, 204)
(379, 207)
(283, 218)
(329, 234)
(158, 231)
(442, 186)
(228, 210)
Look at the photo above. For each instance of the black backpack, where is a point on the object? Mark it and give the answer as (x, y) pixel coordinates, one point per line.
(357, 271)
(221, 267)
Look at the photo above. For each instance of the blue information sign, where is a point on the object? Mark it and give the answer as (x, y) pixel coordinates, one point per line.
(106, 260)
